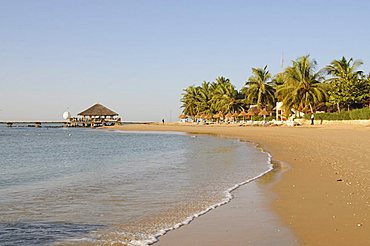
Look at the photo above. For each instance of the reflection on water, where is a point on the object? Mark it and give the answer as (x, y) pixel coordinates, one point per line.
(132, 184)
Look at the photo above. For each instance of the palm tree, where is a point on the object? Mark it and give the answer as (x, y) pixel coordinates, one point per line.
(258, 89)
(224, 96)
(345, 81)
(203, 98)
(190, 101)
(302, 88)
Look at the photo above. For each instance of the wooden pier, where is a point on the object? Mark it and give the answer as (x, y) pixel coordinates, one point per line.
(95, 116)
(53, 124)
(73, 122)
(92, 122)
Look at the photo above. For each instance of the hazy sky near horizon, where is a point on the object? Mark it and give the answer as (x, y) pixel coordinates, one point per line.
(137, 56)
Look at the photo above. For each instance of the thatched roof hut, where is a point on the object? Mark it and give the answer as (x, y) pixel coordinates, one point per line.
(98, 110)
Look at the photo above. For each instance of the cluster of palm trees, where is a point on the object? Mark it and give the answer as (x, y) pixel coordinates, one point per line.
(300, 86)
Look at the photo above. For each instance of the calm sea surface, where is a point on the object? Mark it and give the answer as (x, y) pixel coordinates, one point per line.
(83, 186)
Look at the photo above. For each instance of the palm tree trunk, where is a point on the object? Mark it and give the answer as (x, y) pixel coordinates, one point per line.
(311, 108)
(259, 100)
(338, 107)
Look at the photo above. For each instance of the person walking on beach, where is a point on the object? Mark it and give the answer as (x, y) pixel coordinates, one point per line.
(163, 121)
(312, 119)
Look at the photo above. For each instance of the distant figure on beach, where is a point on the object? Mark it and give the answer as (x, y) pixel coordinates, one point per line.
(312, 119)
(163, 121)
(321, 119)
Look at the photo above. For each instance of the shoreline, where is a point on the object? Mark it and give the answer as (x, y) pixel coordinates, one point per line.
(166, 236)
(161, 237)
(324, 197)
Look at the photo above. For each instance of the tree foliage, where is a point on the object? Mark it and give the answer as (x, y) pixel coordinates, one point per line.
(210, 98)
(300, 86)
(346, 84)
(258, 89)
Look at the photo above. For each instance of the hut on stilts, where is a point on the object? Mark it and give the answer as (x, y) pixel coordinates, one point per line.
(95, 116)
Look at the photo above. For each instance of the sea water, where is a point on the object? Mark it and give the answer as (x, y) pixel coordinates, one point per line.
(93, 187)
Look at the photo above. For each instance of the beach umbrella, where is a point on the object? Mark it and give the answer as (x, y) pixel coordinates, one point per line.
(216, 116)
(235, 115)
(221, 115)
(208, 117)
(263, 113)
(228, 116)
(243, 114)
(251, 113)
(182, 116)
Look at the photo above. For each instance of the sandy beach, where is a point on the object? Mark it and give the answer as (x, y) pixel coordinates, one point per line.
(324, 197)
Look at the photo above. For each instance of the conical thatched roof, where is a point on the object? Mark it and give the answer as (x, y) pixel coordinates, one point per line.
(182, 116)
(216, 116)
(98, 110)
(229, 115)
(236, 114)
(251, 112)
(263, 112)
(243, 113)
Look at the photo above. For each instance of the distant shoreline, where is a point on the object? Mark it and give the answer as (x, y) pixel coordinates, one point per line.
(324, 198)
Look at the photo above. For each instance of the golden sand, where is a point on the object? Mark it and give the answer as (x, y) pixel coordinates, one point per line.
(325, 196)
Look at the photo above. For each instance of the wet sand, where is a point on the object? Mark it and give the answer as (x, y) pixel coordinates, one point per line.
(246, 220)
(324, 198)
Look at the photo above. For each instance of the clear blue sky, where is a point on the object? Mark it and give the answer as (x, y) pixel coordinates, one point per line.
(136, 56)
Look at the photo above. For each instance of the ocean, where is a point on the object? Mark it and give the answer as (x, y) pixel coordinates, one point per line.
(69, 186)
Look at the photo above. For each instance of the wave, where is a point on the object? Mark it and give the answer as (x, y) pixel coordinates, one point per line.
(228, 197)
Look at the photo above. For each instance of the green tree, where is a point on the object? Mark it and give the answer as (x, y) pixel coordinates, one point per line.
(365, 79)
(345, 84)
(190, 101)
(258, 89)
(224, 96)
(302, 88)
(204, 98)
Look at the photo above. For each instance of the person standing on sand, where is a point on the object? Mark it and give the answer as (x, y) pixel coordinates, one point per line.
(312, 119)
(163, 121)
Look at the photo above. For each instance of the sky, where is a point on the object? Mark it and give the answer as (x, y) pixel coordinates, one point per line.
(136, 56)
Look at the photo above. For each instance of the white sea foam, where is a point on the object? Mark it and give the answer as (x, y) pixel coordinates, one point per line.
(228, 197)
